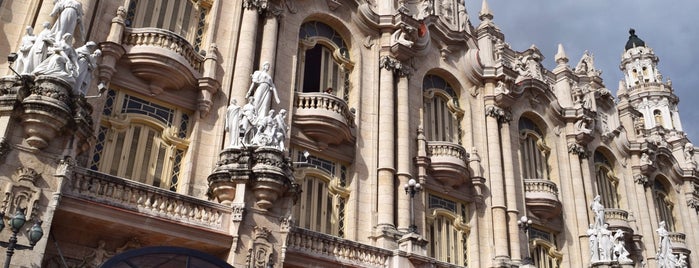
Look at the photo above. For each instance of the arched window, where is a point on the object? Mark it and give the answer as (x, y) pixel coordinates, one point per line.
(324, 64)
(447, 231)
(533, 151)
(606, 181)
(663, 204)
(543, 251)
(658, 116)
(185, 18)
(141, 140)
(321, 206)
(442, 114)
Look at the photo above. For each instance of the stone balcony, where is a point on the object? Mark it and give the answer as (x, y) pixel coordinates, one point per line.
(324, 118)
(122, 208)
(679, 242)
(448, 162)
(163, 58)
(617, 219)
(541, 197)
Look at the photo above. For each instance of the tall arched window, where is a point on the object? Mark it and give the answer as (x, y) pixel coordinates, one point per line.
(533, 151)
(606, 181)
(141, 140)
(321, 206)
(663, 204)
(185, 18)
(324, 61)
(442, 115)
(447, 231)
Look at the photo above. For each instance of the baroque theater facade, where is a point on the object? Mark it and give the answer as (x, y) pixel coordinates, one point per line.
(327, 133)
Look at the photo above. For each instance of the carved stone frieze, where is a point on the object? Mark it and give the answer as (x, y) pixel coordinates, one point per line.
(238, 212)
(22, 192)
(502, 115)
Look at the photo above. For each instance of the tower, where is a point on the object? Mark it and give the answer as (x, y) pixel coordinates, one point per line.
(648, 93)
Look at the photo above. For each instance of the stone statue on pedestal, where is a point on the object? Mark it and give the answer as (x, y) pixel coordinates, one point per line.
(605, 247)
(70, 14)
(232, 124)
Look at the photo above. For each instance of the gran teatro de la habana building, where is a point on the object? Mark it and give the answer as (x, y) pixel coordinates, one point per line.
(330, 133)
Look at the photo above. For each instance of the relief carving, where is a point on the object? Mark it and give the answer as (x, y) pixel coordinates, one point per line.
(261, 250)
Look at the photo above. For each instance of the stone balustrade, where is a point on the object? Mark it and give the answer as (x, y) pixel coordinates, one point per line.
(617, 219)
(447, 149)
(142, 198)
(542, 197)
(328, 102)
(164, 39)
(324, 117)
(336, 249)
(679, 242)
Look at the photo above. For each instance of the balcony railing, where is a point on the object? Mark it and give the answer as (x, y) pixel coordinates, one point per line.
(542, 197)
(617, 219)
(161, 38)
(335, 249)
(448, 162)
(324, 117)
(142, 198)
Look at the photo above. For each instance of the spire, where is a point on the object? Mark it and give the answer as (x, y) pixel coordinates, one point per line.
(561, 57)
(485, 13)
(634, 41)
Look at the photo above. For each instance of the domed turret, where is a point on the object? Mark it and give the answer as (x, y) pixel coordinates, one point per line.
(634, 41)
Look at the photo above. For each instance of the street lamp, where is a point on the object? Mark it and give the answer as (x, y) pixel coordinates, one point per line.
(524, 224)
(412, 188)
(16, 222)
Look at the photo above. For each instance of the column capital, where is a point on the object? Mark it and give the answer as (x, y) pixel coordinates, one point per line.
(392, 64)
(579, 150)
(260, 5)
(502, 115)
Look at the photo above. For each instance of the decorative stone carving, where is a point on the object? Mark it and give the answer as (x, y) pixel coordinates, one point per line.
(642, 180)
(586, 66)
(393, 64)
(584, 125)
(261, 250)
(87, 57)
(575, 148)
(22, 192)
(501, 88)
(406, 35)
(426, 8)
(260, 5)
(529, 66)
(46, 111)
(238, 212)
(61, 61)
(24, 57)
(688, 151)
(97, 255)
(604, 246)
(498, 113)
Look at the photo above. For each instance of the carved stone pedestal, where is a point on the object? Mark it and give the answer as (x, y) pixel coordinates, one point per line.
(46, 110)
(413, 243)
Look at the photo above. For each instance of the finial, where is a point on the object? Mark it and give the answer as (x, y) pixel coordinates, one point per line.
(634, 41)
(485, 13)
(561, 57)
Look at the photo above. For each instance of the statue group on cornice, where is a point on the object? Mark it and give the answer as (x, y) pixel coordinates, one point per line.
(666, 258)
(51, 52)
(255, 124)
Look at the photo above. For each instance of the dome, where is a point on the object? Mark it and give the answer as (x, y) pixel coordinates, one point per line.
(634, 41)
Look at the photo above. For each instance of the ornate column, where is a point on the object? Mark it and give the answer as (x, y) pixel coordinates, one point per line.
(576, 152)
(494, 116)
(245, 57)
(268, 50)
(403, 150)
(386, 149)
(511, 190)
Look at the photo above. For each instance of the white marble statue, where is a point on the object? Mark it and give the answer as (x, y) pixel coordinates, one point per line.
(69, 15)
(463, 15)
(23, 63)
(689, 154)
(86, 63)
(605, 246)
(232, 124)
(61, 63)
(263, 89)
(598, 209)
(247, 121)
(665, 257)
(594, 244)
(265, 129)
(619, 252)
(280, 130)
(40, 50)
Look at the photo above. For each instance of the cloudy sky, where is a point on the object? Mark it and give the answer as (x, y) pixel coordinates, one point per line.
(671, 28)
